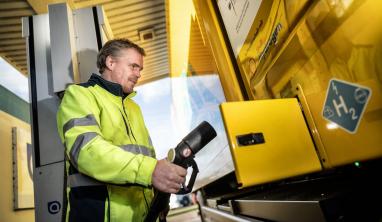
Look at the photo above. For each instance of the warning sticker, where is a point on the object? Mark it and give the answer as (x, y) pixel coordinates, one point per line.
(345, 104)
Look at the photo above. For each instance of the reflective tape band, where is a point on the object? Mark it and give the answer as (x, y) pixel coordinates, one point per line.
(80, 142)
(137, 149)
(80, 180)
(150, 141)
(88, 120)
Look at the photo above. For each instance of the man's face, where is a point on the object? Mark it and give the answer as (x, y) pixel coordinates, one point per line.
(125, 69)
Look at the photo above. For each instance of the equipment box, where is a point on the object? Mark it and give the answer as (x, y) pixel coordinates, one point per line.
(269, 140)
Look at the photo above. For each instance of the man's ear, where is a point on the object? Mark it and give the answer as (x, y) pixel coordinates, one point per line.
(110, 63)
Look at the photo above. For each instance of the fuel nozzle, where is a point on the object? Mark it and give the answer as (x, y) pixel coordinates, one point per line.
(192, 143)
(182, 155)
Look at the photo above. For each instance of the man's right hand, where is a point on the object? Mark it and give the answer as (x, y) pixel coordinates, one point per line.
(168, 177)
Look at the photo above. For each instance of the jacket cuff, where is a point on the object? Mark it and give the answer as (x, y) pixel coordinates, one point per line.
(146, 171)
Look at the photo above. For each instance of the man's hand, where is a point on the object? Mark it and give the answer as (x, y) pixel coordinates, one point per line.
(168, 177)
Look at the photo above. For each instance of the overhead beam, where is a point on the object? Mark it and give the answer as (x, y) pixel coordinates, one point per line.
(160, 34)
(155, 54)
(10, 28)
(111, 10)
(133, 27)
(10, 21)
(133, 5)
(162, 60)
(11, 41)
(152, 43)
(126, 13)
(159, 30)
(22, 64)
(156, 46)
(137, 20)
(14, 52)
(134, 34)
(13, 5)
(12, 47)
(10, 35)
(16, 13)
(85, 4)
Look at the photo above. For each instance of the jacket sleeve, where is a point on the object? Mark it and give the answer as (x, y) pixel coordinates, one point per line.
(79, 129)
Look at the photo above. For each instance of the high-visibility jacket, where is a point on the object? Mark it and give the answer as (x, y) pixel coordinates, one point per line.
(110, 157)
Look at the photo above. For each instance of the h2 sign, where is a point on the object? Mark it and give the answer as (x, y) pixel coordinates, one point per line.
(345, 104)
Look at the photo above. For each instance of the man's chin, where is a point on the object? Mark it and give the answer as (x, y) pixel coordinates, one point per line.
(128, 90)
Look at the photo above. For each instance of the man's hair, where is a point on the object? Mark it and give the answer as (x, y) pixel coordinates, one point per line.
(113, 48)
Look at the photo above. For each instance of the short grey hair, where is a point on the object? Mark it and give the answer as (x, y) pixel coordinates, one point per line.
(113, 48)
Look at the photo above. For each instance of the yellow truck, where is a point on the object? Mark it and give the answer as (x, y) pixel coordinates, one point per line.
(303, 117)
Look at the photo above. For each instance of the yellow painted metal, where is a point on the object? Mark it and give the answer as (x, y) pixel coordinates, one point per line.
(258, 48)
(208, 18)
(288, 149)
(7, 212)
(312, 125)
(272, 25)
(342, 40)
(180, 14)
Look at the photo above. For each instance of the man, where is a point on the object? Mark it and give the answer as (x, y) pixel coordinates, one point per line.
(111, 162)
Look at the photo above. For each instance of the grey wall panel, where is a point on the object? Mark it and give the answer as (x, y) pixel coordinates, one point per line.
(86, 42)
(50, 185)
(50, 147)
(63, 50)
(42, 55)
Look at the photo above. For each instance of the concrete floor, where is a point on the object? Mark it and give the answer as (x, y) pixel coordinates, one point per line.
(184, 214)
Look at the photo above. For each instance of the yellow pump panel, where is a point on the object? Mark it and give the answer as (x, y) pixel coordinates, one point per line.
(287, 149)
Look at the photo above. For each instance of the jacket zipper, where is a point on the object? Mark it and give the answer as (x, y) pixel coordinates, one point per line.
(127, 123)
(127, 129)
(124, 121)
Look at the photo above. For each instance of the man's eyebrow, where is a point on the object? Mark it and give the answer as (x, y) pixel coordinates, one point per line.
(136, 65)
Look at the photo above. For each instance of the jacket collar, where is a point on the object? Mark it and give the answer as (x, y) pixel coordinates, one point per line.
(111, 87)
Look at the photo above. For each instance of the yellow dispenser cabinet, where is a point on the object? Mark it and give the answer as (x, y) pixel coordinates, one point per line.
(269, 140)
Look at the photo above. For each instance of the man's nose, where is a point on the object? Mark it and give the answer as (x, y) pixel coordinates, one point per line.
(138, 73)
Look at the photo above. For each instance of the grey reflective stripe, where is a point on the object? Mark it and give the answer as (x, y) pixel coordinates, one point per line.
(137, 149)
(88, 120)
(150, 141)
(80, 142)
(80, 180)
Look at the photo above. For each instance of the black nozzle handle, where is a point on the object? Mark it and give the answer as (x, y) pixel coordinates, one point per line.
(190, 185)
(183, 155)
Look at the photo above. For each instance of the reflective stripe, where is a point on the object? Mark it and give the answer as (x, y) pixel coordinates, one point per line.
(137, 149)
(88, 120)
(150, 141)
(80, 142)
(80, 180)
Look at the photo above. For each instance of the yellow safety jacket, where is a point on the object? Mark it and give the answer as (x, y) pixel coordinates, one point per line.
(110, 157)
